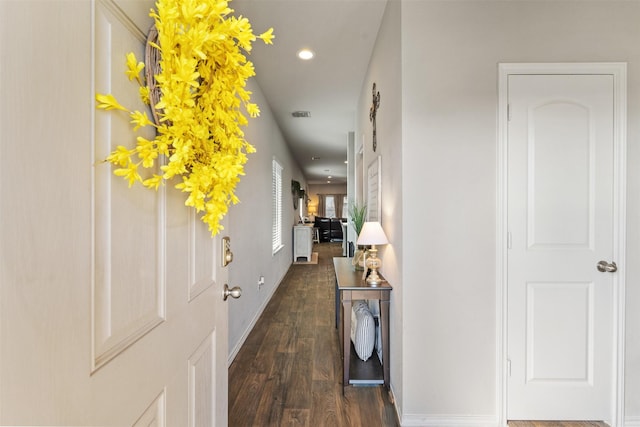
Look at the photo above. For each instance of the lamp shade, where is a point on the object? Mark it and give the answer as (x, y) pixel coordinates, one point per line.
(372, 234)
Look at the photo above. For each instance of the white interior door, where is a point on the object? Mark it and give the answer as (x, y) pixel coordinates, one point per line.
(111, 309)
(561, 224)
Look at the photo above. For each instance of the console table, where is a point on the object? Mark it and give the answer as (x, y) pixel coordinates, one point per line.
(350, 286)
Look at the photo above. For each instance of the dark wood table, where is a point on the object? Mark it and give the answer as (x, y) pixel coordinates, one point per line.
(350, 286)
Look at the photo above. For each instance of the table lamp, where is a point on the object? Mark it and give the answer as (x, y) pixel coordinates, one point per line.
(372, 234)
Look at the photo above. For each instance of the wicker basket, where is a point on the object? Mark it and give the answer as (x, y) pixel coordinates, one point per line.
(152, 67)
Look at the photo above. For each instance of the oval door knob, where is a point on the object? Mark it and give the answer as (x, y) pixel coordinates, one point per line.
(605, 267)
(234, 292)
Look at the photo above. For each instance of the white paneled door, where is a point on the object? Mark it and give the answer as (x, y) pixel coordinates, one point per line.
(561, 345)
(111, 298)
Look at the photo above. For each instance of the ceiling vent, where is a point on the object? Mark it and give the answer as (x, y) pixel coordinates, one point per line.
(298, 114)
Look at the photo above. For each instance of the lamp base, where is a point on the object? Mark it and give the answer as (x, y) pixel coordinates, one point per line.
(373, 279)
(373, 263)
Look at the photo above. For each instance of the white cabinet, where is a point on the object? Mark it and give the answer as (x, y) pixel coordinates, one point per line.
(302, 242)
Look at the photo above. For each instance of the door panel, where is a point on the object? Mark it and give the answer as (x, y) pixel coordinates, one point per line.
(111, 309)
(559, 317)
(154, 415)
(560, 176)
(560, 218)
(202, 257)
(201, 380)
(129, 223)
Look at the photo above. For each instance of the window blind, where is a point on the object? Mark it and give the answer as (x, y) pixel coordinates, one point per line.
(276, 193)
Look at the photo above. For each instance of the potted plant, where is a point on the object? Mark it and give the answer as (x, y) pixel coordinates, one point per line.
(357, 214)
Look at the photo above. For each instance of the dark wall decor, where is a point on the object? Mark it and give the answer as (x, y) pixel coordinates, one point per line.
(297, 193)
(372, 113)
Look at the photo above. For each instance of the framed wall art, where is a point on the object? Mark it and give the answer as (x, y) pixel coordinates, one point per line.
(374, 190)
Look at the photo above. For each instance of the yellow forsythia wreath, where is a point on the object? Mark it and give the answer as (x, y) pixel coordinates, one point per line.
(202, 78)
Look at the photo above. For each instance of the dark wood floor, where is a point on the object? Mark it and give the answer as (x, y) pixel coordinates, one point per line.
(289, 370)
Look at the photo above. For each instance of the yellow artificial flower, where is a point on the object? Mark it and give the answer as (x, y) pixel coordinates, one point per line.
(267, 36)
(253, 110)
(130, 173)
(202, 80)
(134, 67)
(144, 94)
(146, 152)
(140, 119)
(108, 102)
(120, 156)
(153, 182)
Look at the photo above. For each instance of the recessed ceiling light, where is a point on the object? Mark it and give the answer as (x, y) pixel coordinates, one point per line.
(329, 177)
(315, 158)
(305, 54)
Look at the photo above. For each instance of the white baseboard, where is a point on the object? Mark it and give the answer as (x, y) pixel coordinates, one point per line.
(417, 420)
(632, 421)
(234, 351)
(421, 420)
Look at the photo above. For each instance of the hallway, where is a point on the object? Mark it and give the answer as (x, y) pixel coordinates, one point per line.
(288, 372)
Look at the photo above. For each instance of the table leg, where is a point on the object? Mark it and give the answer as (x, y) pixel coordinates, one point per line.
(346, 337)
(337, 294)
(384, 329)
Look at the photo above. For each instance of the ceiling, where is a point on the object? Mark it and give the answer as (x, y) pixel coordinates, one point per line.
(341, 33)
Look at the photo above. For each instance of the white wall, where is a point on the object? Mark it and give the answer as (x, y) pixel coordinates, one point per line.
(315, 189)
(250, 223)
(385, 71)
(435, 65)
(450, 52)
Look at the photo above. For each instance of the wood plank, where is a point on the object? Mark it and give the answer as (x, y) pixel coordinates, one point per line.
(324, 368)
(299, 385)
(296, 417)
(370, 411)
(263, 359)
(244, 405)
(327, 404)
(269, 410)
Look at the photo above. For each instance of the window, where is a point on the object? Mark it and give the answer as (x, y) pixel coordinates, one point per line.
(329, 207)
(276, 197)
